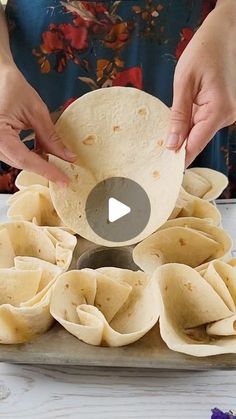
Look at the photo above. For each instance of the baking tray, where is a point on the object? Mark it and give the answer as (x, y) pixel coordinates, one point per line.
(57, 346)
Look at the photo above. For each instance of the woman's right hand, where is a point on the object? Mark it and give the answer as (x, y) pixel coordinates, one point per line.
(21, 108)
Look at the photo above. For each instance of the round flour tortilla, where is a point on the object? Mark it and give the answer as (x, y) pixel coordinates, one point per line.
(117, 132)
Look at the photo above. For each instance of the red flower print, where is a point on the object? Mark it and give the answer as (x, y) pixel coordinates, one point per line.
(95, 8)
(118, 35)
(52, 41)
(131, 77)
(89, 21)
(186, 36)
(77, 36)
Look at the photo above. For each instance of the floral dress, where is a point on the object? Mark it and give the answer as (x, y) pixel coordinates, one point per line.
(67, 48)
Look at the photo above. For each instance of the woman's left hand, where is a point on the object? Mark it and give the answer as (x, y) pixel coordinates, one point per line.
(205, 83)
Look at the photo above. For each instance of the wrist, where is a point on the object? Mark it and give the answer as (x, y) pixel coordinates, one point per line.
(6, 62)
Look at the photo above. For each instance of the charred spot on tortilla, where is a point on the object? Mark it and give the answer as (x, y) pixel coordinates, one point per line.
(156, 174)
(160, 143)
(143, 111)
(116, 128)
(90, 139)
(189, 286)
(182, 242)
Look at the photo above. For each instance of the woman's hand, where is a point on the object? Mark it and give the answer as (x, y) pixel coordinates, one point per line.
(21, 108)
(205, 83)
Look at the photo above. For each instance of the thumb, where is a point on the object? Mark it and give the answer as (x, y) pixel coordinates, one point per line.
(48, 137)
(181, 114)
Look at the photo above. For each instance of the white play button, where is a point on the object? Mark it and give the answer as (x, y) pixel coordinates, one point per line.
(116, 210)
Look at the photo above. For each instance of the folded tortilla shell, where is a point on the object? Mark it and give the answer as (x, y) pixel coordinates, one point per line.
(25, 292)
(191, 206)
(225, 327)
(222, 277)
(100, 308)
(23, 238)
(26, 179)
(177, 241)
(202, 268)
(117, 141)
(34, 204)
(48, 271)
(18, 286)
(207, 229)
(232, 262)
(204, 183)
(188, 303)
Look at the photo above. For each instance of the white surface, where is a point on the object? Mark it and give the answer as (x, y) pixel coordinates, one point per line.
(105, 393)
(116, 210)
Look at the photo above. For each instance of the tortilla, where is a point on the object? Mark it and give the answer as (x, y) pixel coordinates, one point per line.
(202, 268)
(26, 179)
(232, 262)
(105, 307)
(26, 239)
(225, 327)
(204, 183)
(188, 303)
(34, 204)
(117, 132)
(222, 277)
(186, 240)
(191, 206)
(25, 291)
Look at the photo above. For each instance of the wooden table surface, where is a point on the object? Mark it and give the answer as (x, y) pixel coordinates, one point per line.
(112, 393)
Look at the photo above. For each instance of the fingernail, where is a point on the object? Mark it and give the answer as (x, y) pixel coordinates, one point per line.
(172, 140)
(70, 155)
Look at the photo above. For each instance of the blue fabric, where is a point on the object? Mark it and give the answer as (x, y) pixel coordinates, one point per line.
(65, 49)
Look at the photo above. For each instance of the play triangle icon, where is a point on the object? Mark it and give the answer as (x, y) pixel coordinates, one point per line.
(116, 210)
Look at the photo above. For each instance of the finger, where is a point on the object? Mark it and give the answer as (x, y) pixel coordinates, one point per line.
(181, 114)
(200, 135)
(49, 139)
(23, 158)
(4, 159)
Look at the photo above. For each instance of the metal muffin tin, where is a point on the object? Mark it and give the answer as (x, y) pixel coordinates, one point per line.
(59, 347)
